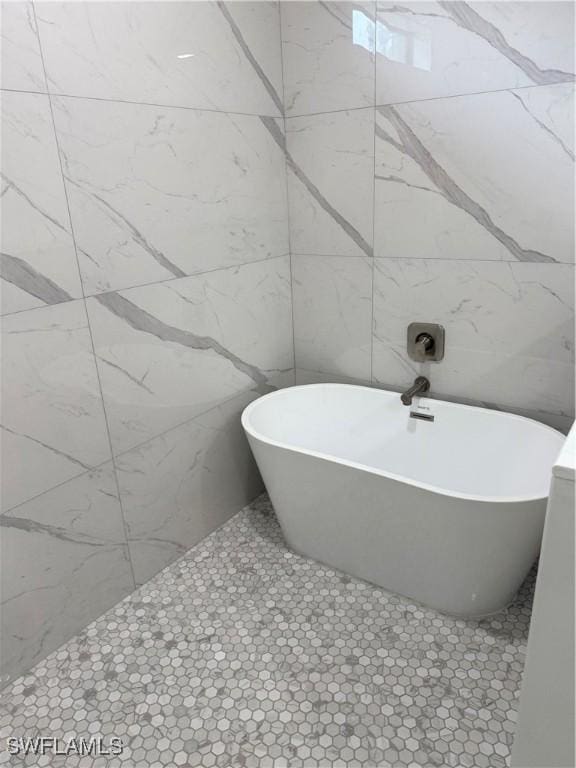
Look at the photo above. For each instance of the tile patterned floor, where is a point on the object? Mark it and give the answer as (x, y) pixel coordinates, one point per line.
(242, 654)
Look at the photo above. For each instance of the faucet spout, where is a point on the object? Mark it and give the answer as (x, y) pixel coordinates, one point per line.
(421, 386)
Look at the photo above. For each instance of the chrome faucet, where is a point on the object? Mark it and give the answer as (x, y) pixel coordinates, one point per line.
(420, 386)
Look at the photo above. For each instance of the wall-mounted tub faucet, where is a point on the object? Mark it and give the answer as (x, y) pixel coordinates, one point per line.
(425, 342)
(421, 386)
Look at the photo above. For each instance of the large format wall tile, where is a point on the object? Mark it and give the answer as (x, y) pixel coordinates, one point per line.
(170, 351)
(169, 122)
(328, 50)
(21, 60)
(430, 49)
(333, 314)
(64, 562)
(509, 329)
(180, 486)
(210, 55)
(157, 193)
(477, 177)
(37, 260)
(330, 183)
(53, 425)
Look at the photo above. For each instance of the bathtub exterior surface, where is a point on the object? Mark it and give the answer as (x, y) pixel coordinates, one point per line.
(450, 548)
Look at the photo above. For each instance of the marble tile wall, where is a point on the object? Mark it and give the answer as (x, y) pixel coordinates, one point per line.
(172, 235)
(146, 293)
(431, 177)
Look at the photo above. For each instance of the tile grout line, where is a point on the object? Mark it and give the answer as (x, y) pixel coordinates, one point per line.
(433, 258)
(373, 271)
(289, 116)
(147, 285)
(288, 218)
(86, 314)
(48, 92)
(135, 447)
(430, 98)
(282, 256)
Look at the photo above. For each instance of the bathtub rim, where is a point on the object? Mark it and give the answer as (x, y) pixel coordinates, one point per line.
(249, 429)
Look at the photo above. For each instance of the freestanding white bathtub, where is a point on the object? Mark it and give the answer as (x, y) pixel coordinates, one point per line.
(448, 512)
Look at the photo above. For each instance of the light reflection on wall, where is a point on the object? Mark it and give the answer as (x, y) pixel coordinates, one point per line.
(401, 43)
(362, 30)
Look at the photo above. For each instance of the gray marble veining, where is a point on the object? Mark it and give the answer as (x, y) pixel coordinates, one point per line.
(171, 351)
(56, 531)
(325, 67)
(143, 321)
(21, 274)
(157, 193)
(8, 185)
(470, 19)
(333, 153)
(561, 134)
(408, 143)
(22, 67)
(53, 425)
(447, 164)
(427, 50)
(64, 562)
(133, 232)
(38, 264)
(250, 56)
(312, 188)
(208, 55)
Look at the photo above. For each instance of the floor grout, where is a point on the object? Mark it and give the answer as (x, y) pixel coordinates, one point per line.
(243, 654)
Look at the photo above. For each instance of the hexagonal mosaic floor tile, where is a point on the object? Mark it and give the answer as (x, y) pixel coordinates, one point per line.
(243, 654)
